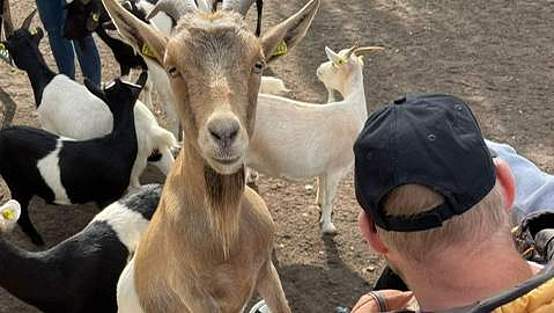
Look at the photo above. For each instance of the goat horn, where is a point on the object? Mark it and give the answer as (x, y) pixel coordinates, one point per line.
(7, 16)
(363, 50)
(27, 22)
(205, 5)
(240, 6)
(352, 50)
(174, 8)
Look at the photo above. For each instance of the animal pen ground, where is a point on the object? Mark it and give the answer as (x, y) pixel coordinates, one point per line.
(498, 55)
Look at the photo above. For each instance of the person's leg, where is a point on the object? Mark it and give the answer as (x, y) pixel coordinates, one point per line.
(89, 59)
(52, 16)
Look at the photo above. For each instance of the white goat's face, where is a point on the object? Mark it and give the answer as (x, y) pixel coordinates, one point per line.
(334, 72)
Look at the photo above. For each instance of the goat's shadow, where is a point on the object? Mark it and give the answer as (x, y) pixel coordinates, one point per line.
(312, 288)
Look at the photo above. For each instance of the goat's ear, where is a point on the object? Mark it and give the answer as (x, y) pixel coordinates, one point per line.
(95, 90)
(333, 56)
(141, 36)
(279, 39)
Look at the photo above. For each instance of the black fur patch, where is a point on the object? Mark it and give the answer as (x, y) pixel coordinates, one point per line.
(155, 156)
(145, 201)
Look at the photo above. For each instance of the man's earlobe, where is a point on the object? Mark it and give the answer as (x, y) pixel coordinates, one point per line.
(507, 181)
(369, 231)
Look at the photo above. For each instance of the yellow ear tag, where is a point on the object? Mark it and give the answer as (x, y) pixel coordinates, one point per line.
(146, 51)
(34, 31)
(281, 49)
(8, 214)
(96, 17)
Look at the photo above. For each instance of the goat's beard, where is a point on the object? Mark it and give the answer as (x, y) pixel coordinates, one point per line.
(224, 194)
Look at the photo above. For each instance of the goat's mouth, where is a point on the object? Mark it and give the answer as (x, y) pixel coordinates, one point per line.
(227, 161)
(226, 166)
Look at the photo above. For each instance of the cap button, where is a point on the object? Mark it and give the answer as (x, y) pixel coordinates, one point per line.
(400, 100)
(458, 107)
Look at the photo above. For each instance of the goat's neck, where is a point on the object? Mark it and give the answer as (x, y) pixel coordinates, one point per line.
(108, 40)
(21, 272)
(213, 203)
(40, 75)
(124, 123)
(353, 91)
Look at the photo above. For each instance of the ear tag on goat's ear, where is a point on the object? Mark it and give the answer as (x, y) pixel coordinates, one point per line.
(281, 49)
(146, 51)
(34, 31)
(8, 214)
(5, 54)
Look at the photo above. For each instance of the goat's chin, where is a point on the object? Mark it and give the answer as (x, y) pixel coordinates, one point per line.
(225, 168)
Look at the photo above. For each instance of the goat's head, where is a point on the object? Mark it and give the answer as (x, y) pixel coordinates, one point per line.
(83, 17)
(22, 44)
(335, 72)
(118, 94)
(215, 65)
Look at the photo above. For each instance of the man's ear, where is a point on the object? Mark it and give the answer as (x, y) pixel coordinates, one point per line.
(506, 179)
(149, 42)
(288, 33)
(369, 231)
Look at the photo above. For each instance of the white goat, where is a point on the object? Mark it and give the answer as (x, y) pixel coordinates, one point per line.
(297, 140)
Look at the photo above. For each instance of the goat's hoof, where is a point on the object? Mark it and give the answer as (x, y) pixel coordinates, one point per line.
(328, 230)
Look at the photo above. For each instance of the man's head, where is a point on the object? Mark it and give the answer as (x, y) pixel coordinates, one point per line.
(427, 182)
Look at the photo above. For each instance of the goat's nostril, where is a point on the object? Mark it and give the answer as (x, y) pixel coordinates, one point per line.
(215, 134)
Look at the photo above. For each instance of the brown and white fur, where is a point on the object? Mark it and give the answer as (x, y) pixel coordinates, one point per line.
(208, 247)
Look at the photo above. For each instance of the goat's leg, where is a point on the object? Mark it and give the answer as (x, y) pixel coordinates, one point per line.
(270, 288)
(331, 184)
(321, 181)
(25, 221)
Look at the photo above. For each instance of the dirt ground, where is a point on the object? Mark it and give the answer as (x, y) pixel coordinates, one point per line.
(497, 54)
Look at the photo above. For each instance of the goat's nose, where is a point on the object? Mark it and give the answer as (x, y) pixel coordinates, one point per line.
(224, 131)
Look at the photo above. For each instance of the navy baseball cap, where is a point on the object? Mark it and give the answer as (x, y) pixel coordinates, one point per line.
(430, 140)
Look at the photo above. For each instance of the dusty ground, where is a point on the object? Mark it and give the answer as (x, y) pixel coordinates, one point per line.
(497, 54)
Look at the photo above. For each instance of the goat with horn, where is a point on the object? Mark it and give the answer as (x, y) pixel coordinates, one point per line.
(177, 8)
(208, 247)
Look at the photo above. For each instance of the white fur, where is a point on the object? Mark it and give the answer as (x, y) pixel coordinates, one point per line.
(127, 297)
(49, 168)
(69, 109)
(297, 140)
(273, 86)
(129, 225)
(160, 21)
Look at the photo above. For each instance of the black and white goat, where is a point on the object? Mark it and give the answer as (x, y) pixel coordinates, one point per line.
(68, 109)
(84, 17)
(34, 162)
(80, 274)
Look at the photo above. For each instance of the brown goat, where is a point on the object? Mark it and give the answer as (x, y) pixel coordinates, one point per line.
(208, 247)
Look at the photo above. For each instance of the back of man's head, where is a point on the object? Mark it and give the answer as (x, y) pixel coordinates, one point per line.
(487, 221)
(426, 178)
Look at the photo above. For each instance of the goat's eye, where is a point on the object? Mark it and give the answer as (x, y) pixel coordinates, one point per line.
(172, 71)
(259, 67)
